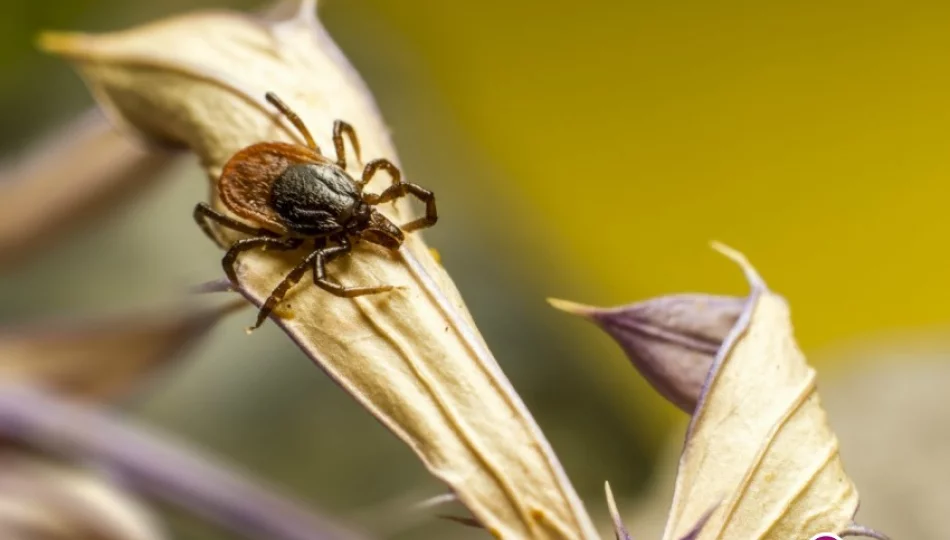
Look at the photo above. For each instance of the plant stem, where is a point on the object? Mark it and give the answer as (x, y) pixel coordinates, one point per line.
(158, 466)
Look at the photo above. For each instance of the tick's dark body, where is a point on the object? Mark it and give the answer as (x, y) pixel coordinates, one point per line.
(318, 200)
(293, 193)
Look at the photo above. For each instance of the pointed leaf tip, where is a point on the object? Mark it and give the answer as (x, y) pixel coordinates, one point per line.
(62, 43)
(620, 532)
(752, 275)
(573, 308)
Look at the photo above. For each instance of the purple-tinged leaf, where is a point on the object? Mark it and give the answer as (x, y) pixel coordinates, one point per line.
(671, 340)
(103, 358)
(83, 168)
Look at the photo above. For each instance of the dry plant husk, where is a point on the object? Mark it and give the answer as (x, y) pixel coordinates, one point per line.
(413, 356)
(760, 459)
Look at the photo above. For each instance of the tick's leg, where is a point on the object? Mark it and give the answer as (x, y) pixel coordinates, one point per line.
(318, 259)
(280, 291)
(294, 119)
(230, 258)
(204, 215)
(341, 128)
(374, 166)
(402, 189)
(325, 255)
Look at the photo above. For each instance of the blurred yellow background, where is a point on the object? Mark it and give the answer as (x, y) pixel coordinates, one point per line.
(811, 135)
(585, 150)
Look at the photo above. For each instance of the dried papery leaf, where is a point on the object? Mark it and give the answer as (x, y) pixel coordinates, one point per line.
(412, 356)
(759, 448)
(671, 340)
(159, 466)
(103, 358)
(42, 499)
(84, 167)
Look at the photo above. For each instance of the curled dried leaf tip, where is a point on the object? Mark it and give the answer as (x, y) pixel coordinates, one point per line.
(759, 448)
(200, 80)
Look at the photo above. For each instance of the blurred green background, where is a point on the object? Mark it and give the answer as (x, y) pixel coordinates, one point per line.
(582, 150)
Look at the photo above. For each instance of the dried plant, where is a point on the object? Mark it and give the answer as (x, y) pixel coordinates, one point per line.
(759, 461)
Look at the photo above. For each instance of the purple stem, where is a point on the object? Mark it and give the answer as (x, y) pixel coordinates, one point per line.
(158, 466)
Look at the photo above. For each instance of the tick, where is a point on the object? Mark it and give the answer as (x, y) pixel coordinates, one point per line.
(295, 197)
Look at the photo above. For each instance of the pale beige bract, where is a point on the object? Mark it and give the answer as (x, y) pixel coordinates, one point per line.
(412, 356)
(759, 449)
